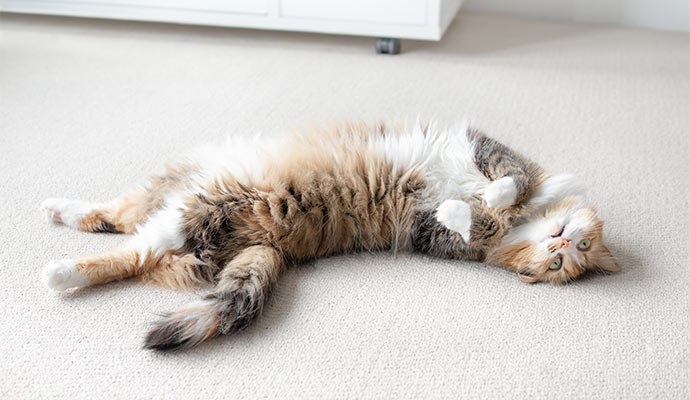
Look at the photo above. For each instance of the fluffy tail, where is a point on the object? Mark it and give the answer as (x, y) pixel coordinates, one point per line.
(239, 298)
(185, 328)
(203, 320)
(554, 189)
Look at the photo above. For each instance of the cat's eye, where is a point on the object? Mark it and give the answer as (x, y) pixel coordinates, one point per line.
(556, 264)
(584, 244)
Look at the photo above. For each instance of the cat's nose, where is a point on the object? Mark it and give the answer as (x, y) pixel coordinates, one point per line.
(565, 243)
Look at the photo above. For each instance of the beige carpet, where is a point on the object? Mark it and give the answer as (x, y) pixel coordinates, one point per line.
(89, 108)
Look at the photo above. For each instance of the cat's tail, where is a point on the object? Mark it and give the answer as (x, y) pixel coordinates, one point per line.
(201, 321)
(238, 298)
(187, 327)
(555, 189)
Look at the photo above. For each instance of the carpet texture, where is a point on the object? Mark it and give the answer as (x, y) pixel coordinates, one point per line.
(89, 108)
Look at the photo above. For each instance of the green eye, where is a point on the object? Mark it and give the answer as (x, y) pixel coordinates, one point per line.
(584, 244)
(556, 264)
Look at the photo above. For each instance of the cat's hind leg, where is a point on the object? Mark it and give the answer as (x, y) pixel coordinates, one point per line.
(92, 270)
(171, 270)
(124, 214)
(155, 253)
(119, 216)
(238, 298)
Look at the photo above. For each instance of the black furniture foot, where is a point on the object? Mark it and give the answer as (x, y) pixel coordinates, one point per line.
(387, 46)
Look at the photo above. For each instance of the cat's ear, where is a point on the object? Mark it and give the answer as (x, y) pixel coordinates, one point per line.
(602, 258)
(528, 278)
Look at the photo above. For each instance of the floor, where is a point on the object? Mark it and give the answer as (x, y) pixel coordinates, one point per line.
(89, 108)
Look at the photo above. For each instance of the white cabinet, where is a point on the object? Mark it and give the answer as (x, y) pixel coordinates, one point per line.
(400, 19)
(259, 7)
(381, 11)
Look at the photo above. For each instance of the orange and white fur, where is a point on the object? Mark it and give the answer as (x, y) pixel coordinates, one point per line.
(233, 217)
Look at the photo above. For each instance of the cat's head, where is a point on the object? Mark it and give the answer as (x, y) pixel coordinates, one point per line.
(556, 245)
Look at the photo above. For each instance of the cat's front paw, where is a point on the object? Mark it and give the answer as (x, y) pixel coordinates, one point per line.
(501, 193)
(456, 215)
(62, 275)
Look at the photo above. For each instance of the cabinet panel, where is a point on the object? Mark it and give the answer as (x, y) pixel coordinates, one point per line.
(409, 12)
(233, 6)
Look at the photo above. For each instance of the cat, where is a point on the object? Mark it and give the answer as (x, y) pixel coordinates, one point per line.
(236, 216)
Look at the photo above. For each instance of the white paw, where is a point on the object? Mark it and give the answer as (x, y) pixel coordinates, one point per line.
(66, 211)
(51, 211)
(62, 275)
(501, 193)
(456, 215)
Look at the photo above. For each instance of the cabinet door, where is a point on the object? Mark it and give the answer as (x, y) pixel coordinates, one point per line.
(408, 12)
(230, 6)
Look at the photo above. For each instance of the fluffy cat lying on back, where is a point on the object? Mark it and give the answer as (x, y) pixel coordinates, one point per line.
(236, 216)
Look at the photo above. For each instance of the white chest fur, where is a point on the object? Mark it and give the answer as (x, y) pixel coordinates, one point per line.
(444, 156)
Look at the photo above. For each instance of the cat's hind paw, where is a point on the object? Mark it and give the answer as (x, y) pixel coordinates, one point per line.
(501, 193)
(50, 211)
(62, 275)
(65, 211)
(456, 215)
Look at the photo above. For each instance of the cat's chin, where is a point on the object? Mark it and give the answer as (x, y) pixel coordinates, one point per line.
(558, 232)
(553, 234)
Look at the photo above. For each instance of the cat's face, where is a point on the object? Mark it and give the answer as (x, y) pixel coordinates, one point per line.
(556, 246)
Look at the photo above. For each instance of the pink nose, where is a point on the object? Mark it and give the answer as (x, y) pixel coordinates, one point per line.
(565, 243)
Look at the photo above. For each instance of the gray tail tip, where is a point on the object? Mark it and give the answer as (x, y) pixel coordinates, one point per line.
(165, 337)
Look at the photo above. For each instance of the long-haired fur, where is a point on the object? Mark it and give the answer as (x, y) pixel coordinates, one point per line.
(233, 217)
